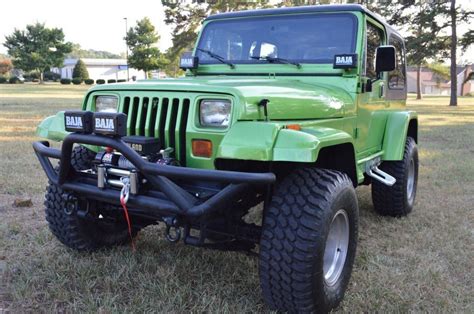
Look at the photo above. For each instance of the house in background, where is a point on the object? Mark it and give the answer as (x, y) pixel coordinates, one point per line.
(466, 80)
(434, 84)
(105, 69)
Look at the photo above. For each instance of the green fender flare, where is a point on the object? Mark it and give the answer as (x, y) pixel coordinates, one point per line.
(396, 133)
(52, 127)
(268, 141)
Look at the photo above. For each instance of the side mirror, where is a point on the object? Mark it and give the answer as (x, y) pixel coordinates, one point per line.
(188, 61)
(384, 59)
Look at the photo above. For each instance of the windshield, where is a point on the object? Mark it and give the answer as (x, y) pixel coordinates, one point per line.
(303, 38)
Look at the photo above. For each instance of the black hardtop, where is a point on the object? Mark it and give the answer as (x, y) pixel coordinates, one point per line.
(303, 9)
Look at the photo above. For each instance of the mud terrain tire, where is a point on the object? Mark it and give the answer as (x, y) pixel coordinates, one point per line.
(298, 236)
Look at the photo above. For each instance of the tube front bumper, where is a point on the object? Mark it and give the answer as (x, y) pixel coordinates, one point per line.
(171, 198)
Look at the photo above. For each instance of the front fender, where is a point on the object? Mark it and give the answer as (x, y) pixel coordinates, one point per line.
(52, 127)
(267, 141)
(249, 140)
(304, 145)
(396, 134)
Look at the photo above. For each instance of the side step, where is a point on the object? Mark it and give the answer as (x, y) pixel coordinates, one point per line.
(373, 171)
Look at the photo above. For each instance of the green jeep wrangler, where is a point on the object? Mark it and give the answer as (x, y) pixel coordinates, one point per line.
(290, 108)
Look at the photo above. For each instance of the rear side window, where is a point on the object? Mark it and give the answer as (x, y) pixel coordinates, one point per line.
(397, 77)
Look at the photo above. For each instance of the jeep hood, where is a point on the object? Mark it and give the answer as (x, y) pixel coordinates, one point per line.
(288, 99)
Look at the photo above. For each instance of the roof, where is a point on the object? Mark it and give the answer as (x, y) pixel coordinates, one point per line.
(301, 9)
(97, 62)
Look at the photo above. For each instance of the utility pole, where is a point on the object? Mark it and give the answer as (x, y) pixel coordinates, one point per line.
(126, 51)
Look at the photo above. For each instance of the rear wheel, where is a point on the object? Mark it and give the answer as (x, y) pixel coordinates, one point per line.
(398, 200)
(309, 241)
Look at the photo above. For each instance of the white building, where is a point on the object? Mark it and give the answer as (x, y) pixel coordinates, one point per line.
(105, 69)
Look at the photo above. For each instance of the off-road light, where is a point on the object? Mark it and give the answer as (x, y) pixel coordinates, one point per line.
(78, 121)
(106, 104)
(114, 124)
(202, 148)
(214, 112)
(345, 61)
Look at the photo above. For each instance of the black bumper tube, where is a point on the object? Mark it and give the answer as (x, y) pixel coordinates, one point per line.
(178, 200)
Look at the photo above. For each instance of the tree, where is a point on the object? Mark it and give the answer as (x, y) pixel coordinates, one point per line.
(78, 53)
(80, 70)
(453, 101)
(467, 39)
(5, 66)
(457, 16)
(141, 40)
(37, 48)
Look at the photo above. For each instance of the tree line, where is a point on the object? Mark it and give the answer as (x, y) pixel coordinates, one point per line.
(431, 27)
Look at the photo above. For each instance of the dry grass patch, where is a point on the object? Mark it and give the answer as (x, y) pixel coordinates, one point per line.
(422, 262)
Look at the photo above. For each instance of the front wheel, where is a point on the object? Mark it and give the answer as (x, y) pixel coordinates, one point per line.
(103, 226)
(83, 234)
(309, 241)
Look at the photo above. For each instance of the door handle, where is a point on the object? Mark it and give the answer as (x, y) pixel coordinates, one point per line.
(381, 90)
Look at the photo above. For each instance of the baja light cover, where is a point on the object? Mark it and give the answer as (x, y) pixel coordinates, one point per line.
(345, 61)
(107, 123)
(78, 121)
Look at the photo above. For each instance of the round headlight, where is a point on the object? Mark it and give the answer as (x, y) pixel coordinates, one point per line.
(106, 104)
(214, 112)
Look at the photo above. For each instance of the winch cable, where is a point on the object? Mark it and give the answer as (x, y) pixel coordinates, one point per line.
(124, 195)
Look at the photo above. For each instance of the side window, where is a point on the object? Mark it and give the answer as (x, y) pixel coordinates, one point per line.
(375, 38)
(397, 78)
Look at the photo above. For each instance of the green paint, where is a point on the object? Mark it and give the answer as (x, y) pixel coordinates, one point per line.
(52, 127)
(329, 105)
(395, 134)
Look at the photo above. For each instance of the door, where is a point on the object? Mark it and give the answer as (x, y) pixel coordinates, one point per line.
(371, 114)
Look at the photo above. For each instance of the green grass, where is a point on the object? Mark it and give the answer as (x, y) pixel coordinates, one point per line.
(423, 262)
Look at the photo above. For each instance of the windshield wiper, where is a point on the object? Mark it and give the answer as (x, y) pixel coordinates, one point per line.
(217, 57)
(277, 60)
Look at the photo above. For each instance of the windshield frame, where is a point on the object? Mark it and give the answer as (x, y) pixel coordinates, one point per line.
(354, 38)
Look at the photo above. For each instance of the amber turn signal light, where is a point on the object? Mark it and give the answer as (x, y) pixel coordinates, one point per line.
(202, 148)
(295, 127)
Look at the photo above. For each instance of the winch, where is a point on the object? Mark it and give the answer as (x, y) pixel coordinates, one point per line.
(113, 169)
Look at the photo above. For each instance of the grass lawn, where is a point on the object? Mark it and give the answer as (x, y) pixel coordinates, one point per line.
(423, 262)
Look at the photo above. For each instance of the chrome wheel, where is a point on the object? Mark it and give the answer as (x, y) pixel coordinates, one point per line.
(411, 181)
(337, 244)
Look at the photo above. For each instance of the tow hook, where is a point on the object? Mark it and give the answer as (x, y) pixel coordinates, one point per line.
(71, 204)
(173, 232)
